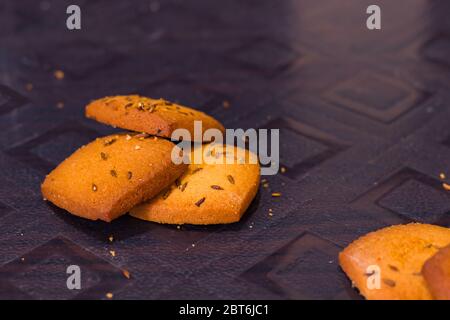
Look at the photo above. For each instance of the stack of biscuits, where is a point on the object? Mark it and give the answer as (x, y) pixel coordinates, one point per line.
(134, 171)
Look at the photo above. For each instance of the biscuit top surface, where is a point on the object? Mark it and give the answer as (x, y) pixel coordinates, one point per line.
(209, 192)
(154, 116)
(400, 252)
(108, 171)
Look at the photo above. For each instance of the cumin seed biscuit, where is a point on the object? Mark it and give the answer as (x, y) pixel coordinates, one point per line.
(110, 175)
(400, 252)
(436, 272)
(153, 116)
(207, 193)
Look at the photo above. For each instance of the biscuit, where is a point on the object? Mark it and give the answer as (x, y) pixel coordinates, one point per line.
(207, 193)
(400, 252)
(110, 175)
(436, 272)
(153, 116)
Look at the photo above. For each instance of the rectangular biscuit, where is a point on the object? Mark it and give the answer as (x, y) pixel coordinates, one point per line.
(110, 175)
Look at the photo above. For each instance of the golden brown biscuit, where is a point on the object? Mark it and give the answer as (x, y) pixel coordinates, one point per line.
(110, 175)
(400, 252)
(153, 116)
(207, 193)
(436, 272)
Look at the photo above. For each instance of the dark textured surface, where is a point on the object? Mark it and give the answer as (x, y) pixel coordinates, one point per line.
(364, 117)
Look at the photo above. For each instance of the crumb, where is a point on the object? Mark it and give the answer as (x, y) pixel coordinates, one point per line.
(265, 185)
(112, 252)
(60, 105)
(446, 186)
(226, 104)
(59, 74)
(193, 245)
(22, 259)
(442, 176)
(126, 273)
(178, 227)
(111, 238)
(29, 86)
(137, 147)
(283, 169)
(128, 137)
(109, 295)
(276, 194)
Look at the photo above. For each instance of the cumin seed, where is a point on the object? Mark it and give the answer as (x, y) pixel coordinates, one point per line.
(103, 155)
(142, 135)
(199, 202)
(109, 142)
(129, 175)
(230, 178)
(393, 268)
(389, 282)
(183, 186)
(216, 187)
(113, 173)
(166, 194)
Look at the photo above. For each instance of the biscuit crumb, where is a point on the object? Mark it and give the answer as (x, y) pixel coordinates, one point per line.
(112, 252)
(128, 137)
(126, 273)
(29, 86)
(276, 194)
(109, 295)
(22, 259)
(137, 147)
(59, 74)
(283, 169)
(442, 176)
(446, 186)
(60, 105)
(265, 185)
(226, 104)
(111, 238)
